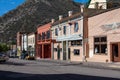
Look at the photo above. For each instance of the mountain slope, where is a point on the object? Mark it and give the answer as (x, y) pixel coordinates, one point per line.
(33, 12)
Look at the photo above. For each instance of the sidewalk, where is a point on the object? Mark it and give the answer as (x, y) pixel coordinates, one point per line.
(99, 65)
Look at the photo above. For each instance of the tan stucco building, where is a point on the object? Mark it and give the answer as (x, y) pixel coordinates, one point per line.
(104, 36)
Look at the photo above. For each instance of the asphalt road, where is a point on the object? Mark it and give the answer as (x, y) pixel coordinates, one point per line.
(16, 69)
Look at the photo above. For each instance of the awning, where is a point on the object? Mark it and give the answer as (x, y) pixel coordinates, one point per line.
(69, 37)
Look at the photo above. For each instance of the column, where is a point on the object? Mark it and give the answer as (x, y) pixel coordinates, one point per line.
(66, 50)
(62, 51)
(52, 50)
(42, 50)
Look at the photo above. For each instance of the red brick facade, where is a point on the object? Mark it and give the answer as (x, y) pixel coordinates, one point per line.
(44, 41)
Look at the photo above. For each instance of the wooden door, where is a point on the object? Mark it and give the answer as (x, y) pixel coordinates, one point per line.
(115, 52)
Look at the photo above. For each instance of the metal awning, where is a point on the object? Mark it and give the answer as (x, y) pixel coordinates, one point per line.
(69, 37)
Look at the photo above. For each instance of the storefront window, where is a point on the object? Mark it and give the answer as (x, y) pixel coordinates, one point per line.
(100, 45)
(76, 52)
(76, 42)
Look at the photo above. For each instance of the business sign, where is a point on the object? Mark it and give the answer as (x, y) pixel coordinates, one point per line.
(108, 27)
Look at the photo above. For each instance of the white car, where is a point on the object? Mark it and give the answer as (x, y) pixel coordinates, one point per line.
(3, 57)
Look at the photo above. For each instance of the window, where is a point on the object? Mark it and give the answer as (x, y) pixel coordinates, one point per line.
(100, 45)
(39, 36)
(76, 52)
(55, 49)
(76, 43)
(43, 35)
(96, 5)
(56, 32)
(64, 30)
(48, 35)
(76, 27)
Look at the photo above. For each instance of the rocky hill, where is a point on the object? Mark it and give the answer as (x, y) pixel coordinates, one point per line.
(32, 13)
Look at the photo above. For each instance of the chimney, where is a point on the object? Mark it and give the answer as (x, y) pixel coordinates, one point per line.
(70, 13)
(52, 20)
(81, 8)
(60, 17)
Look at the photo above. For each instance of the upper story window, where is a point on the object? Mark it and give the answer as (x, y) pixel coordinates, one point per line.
(39, 36)
(56, 32)
(64, 30)
(43, 35)
(48, 34)
(76, 27)
(96, 5)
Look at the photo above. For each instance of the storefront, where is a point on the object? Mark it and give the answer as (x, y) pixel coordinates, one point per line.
(44, 41)
(104, 34)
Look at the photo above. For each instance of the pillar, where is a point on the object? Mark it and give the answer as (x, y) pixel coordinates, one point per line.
(42, 51)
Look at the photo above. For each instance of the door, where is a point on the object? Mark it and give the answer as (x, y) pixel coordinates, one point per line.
(64, 50)
(68, 53)
(115, 52)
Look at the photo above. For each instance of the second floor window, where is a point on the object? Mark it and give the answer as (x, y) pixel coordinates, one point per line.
(76, 27)
(64, 30)
(43, 35)
(48, 35)
(56, 32)
(39, 36)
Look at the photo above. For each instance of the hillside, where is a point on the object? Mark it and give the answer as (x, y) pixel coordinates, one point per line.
(27, 16)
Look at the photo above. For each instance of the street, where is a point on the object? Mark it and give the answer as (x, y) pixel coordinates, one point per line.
(16, 69)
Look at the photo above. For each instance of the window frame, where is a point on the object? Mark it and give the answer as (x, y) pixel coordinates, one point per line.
(48, 34)
(98, 49)
(64, 30)
(39, 37)
(76, 27)
(75, 43)
(56, 31)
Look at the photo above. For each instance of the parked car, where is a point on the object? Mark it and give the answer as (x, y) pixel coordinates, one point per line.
(3, 57)
(30, 57)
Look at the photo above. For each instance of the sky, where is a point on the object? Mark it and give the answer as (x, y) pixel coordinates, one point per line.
(7, 5)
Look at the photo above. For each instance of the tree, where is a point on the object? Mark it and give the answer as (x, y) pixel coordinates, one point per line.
(3, 48)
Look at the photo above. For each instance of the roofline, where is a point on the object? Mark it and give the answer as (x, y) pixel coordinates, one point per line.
(67, 18)
(88, 3)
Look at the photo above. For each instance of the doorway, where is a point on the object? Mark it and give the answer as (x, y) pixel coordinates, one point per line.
(64, 50)
(115, 50)
(69, 53)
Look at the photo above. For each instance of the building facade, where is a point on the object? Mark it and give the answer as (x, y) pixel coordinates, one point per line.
(104, 33)
(22, 42)
(32, 44)
(103, 4)
(98, 4)
(44, 41)
(68, 34)
(19, 37)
